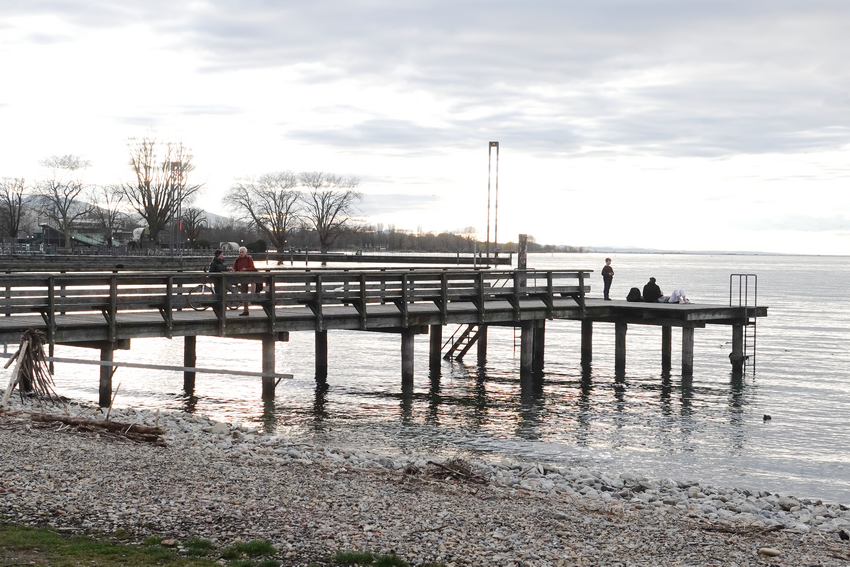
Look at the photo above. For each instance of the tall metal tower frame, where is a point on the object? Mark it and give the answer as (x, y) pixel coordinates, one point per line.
(496, 215)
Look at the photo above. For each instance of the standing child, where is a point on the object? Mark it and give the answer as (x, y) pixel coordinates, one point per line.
(607, 278)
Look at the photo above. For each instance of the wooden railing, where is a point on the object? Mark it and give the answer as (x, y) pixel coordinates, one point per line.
(55, 295)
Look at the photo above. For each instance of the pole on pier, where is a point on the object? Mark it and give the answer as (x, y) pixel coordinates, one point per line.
(268, 366)
(482, 345)
(666, 348)
(737, 355)
(189, 360)
(407, 336)
(526, 347)
(436, 346)
(489, 170)
(105, 393)
(620, 348)
(321, 355)
(687, 351)
(586, 342)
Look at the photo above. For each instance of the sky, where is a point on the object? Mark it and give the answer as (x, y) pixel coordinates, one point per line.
(667, 124)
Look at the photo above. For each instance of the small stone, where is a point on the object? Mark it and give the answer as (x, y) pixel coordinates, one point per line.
(770, 551)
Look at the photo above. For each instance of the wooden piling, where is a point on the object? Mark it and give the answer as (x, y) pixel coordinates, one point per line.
(620, 348)
(482, 345)
(268, 366)
(539, 345)
(436, 345)
(666, 348)
(105, 392)
(189, 360)
(526, 348)
(407, 336)
(687, 351)
(737, 355)
(586, 342)
(321, 354)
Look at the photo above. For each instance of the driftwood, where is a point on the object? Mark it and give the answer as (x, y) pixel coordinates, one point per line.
(458, 468)
(130, 430)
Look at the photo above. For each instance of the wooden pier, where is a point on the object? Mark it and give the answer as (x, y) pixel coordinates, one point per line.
(107, 311)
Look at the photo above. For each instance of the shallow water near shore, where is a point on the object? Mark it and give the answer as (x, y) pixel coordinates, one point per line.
(709, 427)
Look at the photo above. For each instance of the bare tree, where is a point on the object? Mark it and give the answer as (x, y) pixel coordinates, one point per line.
(330, 204)
(161, 184)
(108, 210)
(271, 203)
(12, 205)
(60, 193)
(193, 221)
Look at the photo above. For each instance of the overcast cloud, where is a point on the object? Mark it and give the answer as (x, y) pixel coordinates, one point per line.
(404, 90)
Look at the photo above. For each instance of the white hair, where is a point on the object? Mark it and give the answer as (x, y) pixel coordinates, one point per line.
(241, 248)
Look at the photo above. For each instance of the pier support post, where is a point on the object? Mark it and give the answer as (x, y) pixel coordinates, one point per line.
(586, 342)
(407, 336)
(526, 347)
(321, 354)
(736, 357)
(268, 366)
(436, 346)
(482, 345)
(620, 348)
(105, 393)
(189, 361)
(687, 351)
(539, 345)
(666, 348)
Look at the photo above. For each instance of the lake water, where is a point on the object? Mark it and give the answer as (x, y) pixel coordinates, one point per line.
(709, 427)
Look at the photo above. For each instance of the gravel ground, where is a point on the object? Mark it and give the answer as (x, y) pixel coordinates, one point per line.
(228, 483)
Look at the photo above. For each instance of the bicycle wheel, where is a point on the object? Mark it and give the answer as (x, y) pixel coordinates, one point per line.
(197, 295)
(232, 304)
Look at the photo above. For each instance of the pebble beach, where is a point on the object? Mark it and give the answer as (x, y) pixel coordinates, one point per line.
(228, 483)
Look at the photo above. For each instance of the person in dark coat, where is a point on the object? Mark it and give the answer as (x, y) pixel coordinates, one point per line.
(607, 278)
(651, 291)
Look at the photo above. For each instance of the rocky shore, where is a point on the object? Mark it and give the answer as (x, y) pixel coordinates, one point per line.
(227, 482)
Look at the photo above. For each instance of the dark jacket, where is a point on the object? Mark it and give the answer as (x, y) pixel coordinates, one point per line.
(607, 272)
(651, 292)
(218, 265)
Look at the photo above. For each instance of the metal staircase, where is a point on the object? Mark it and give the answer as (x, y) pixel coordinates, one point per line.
(461, 341)
(743, 292)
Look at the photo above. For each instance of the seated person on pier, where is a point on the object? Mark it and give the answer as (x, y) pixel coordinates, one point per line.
(653, 294)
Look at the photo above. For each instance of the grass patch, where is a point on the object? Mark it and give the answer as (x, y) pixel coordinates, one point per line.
(369, 558)
(256, 548)
(197, 546)
(22, 545)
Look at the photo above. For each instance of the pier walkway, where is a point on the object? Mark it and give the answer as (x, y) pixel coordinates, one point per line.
(107, 311)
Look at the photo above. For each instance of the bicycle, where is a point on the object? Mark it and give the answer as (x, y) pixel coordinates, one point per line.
(202, 296)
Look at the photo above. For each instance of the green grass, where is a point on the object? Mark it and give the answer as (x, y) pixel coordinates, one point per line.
(43, 547)
(256, 548)
(22, 545)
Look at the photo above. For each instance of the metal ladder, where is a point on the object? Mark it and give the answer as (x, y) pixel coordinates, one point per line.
(462, 342)
(743, 289)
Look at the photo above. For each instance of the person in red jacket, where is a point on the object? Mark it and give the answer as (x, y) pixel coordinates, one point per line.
(244, 263)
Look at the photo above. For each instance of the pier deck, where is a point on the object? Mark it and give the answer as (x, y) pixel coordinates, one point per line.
(107, 311)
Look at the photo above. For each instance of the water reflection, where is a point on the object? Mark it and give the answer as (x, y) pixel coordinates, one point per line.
(531, 405)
